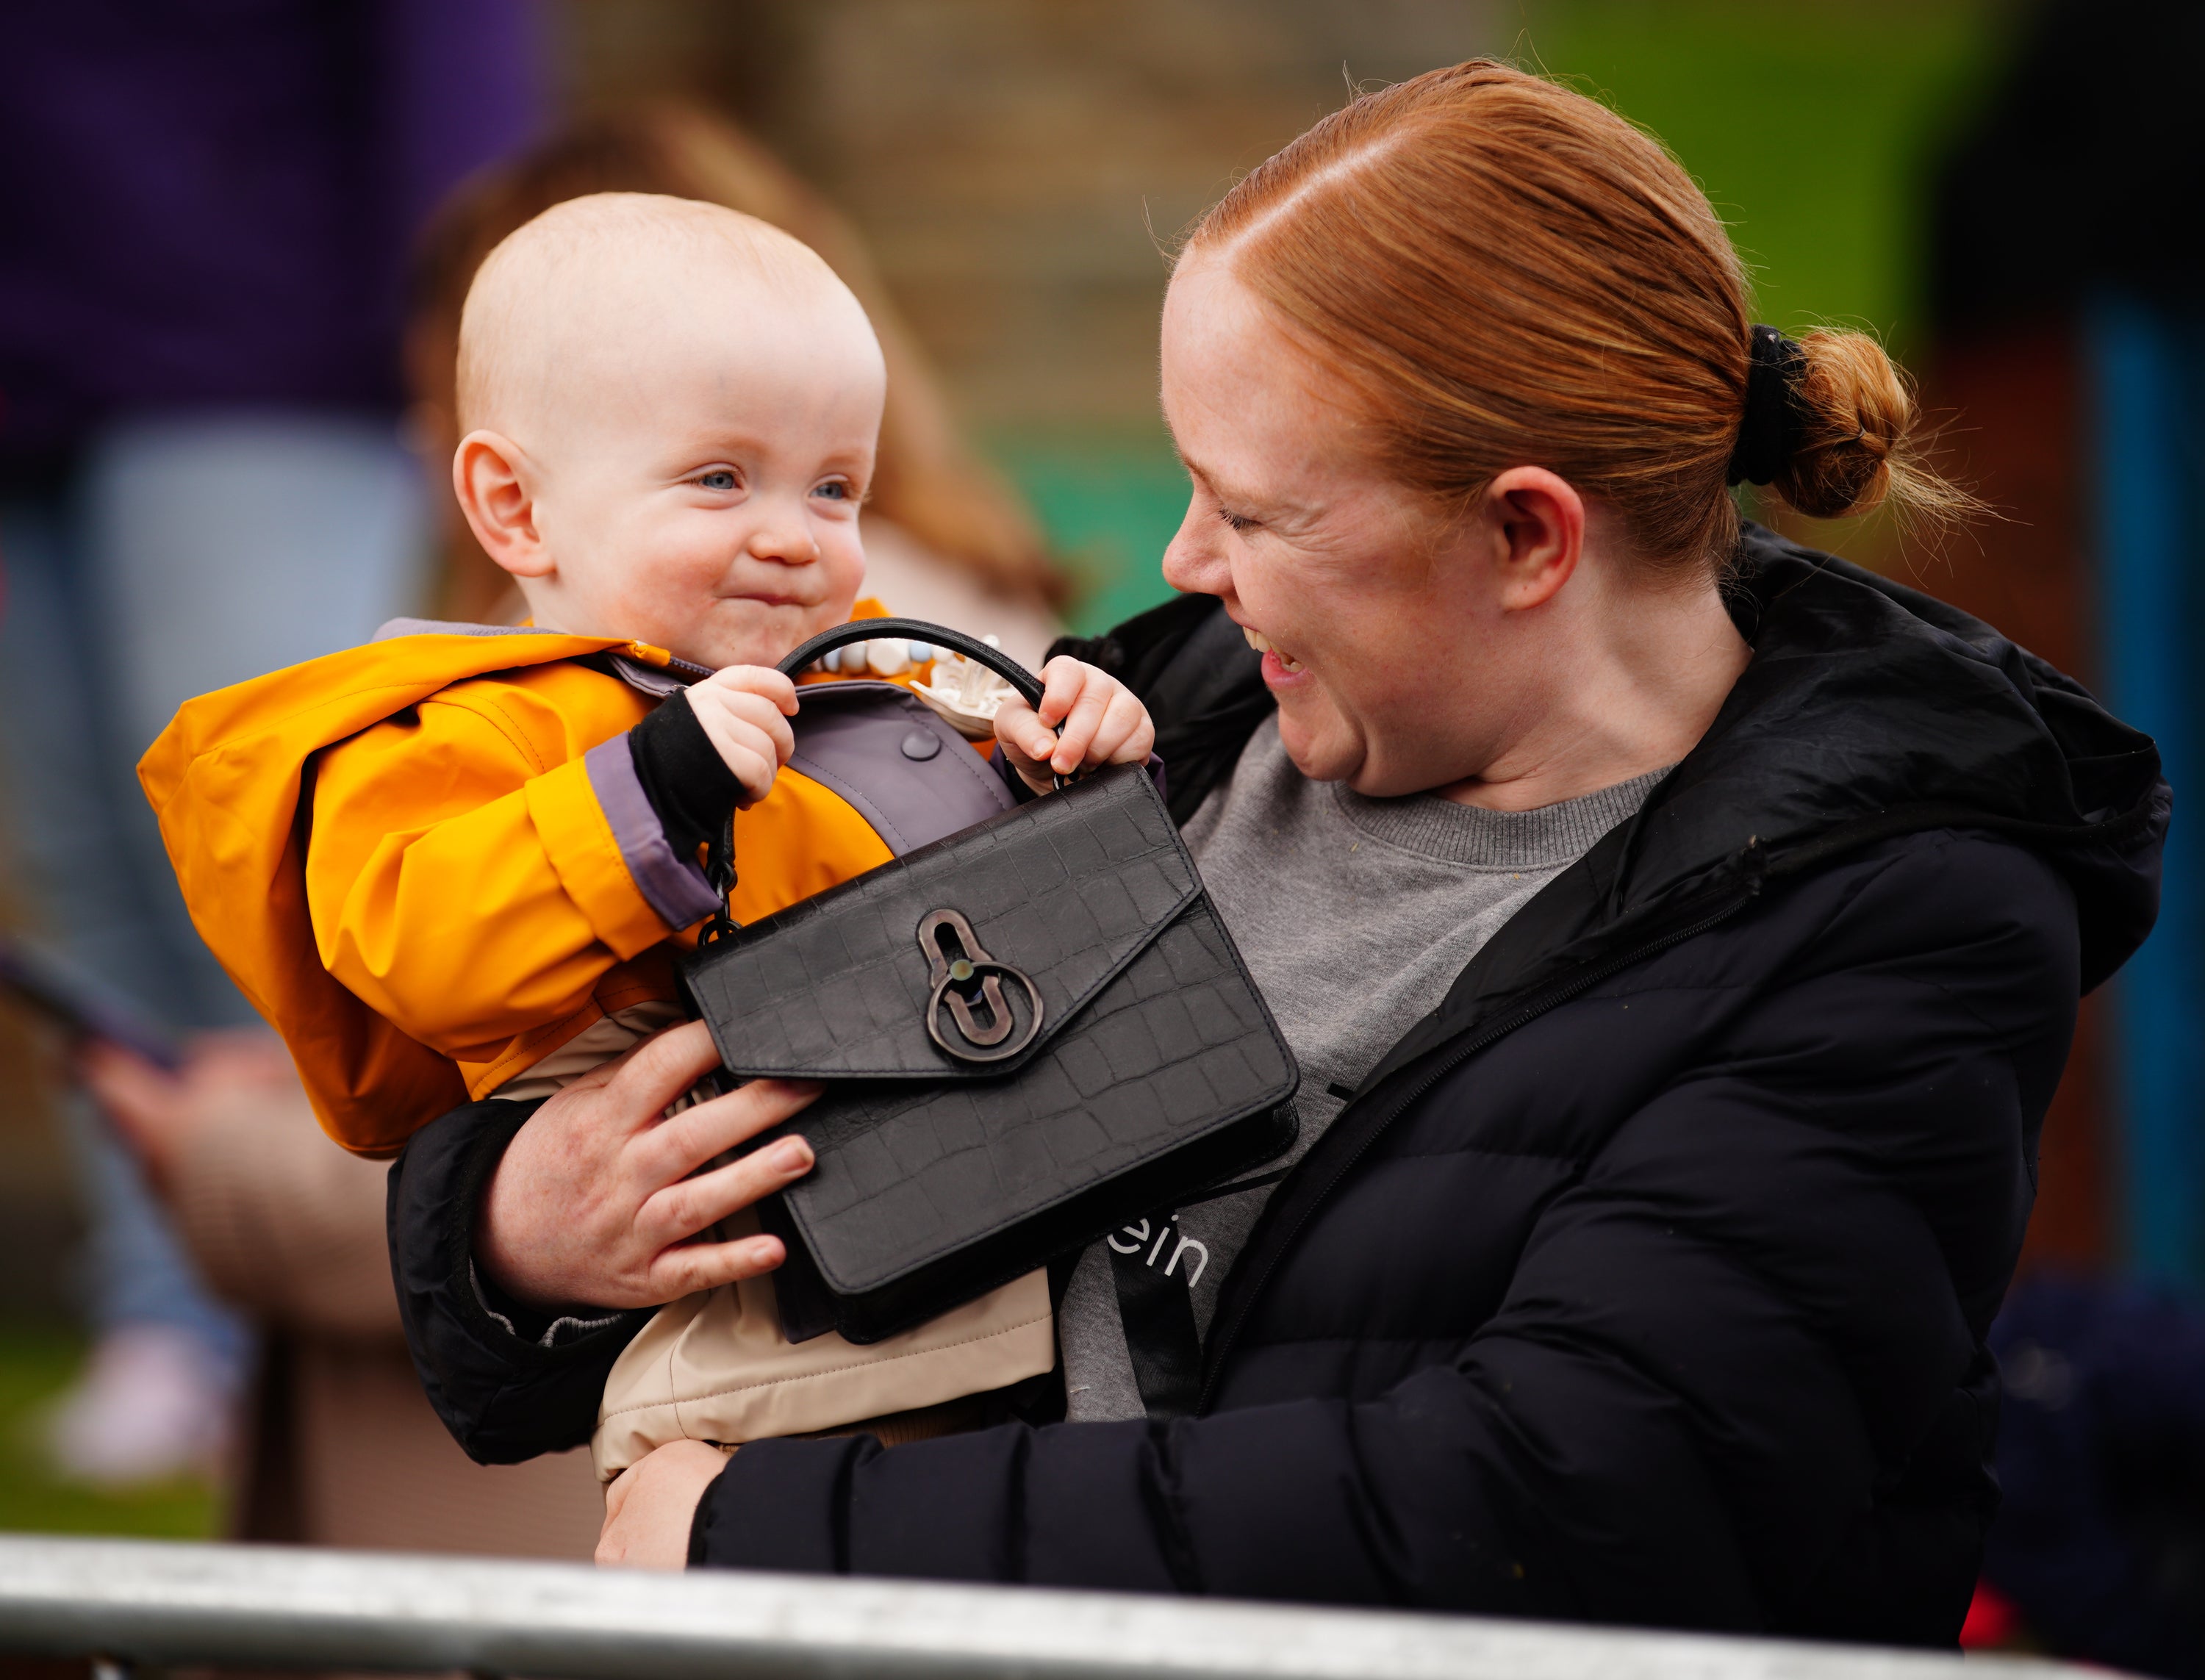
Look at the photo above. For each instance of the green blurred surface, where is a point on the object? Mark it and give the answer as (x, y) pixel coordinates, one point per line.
(36, 1364)
(1811, 123)
(1110, 501)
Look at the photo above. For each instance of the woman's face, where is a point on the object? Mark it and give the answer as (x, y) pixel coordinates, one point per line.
(1387, 645)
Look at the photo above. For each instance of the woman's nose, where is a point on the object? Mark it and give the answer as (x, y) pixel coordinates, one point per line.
(1194, 562)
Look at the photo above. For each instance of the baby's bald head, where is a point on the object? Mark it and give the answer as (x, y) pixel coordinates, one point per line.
(602, 288)
(671, 413)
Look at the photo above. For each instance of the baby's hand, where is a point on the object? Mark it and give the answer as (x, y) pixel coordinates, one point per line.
(1103, 724)
(745, 710)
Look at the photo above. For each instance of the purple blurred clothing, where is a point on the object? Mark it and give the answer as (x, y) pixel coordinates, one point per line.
(208, 203)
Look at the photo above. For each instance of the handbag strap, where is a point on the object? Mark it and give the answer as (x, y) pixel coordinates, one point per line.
(1157, 1310)
(1155, 1305)
(720, 876)
(917, 630)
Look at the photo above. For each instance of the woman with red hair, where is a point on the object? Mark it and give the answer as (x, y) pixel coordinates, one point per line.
(1680, 933)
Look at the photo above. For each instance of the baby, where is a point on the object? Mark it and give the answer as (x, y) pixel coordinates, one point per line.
(669, 414)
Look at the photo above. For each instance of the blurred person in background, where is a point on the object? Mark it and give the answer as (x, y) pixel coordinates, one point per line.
(202, 230)
(945, 540)
(340, 1447)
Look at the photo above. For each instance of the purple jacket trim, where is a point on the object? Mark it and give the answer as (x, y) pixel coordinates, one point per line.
(852, 738)
(673, 887)
(390, 629)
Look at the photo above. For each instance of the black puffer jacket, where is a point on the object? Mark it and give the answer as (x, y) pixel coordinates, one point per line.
(1646, 1279)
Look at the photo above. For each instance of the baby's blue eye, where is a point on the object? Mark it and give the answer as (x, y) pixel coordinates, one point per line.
(834, 490)
(716, 481)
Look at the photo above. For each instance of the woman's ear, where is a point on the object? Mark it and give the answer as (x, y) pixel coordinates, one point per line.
(492, 479)
(1537, 526)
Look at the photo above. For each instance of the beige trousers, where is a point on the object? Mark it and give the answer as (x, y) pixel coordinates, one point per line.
(715, 1366)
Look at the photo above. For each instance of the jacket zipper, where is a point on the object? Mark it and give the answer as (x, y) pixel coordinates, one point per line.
(1531, 1011)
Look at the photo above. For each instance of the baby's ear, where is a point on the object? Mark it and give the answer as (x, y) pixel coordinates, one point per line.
(494, 480)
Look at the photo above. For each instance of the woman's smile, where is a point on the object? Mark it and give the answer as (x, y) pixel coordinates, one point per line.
(1277, 665)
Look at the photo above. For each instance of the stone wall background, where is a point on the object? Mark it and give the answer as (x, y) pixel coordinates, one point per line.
(1016, 164)
(1019, 168)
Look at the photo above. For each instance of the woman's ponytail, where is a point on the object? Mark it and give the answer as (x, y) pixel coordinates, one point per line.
(1856, 442)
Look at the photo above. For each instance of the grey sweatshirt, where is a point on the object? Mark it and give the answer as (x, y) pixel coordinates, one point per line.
(1354, 915)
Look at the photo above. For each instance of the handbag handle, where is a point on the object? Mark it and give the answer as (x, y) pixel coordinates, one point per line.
(917, 630)
(720, 865)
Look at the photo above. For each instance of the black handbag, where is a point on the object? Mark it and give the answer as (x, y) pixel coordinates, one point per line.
(1032, 1032)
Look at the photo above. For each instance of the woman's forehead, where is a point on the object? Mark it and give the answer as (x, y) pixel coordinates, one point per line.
(1248, 406)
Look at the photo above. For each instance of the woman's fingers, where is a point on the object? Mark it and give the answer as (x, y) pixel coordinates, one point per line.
(694, 1267)
(680, 1145)
(568, 1216)
(617, 1494)
(664, 1067)
(688, 1205)
(651, 1505)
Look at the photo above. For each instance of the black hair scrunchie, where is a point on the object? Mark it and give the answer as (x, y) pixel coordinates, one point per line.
(1770, 430)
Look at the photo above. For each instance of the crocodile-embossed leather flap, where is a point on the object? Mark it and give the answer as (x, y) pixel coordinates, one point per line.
(1177, 1048)
(1065, 892)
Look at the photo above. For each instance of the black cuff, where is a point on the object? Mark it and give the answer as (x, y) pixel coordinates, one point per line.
(515, 1318)
(700, 1523)
(689, 787)
(780, 1505)
(504, 1396)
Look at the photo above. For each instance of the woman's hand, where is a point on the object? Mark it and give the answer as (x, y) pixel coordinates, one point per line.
(651, 1504)
(594, 1204)
(1103, 724)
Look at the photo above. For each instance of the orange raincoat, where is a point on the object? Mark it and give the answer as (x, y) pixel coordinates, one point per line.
(395, 852)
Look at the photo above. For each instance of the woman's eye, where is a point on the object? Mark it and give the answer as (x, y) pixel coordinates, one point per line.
(1236, 521)
(720, 480)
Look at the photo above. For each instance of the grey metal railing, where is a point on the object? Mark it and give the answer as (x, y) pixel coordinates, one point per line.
(162, 1604)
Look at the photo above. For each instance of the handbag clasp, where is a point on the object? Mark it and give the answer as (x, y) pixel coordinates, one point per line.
(963, 973)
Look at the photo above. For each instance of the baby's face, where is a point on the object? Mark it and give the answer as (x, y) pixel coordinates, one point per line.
(700, 489)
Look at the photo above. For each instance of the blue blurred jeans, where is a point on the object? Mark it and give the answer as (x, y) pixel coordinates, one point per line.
(185, 554)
